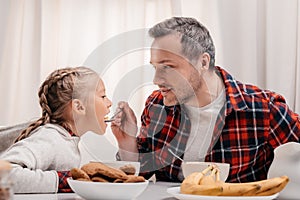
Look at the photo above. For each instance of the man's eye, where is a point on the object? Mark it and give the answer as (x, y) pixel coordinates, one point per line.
(166, 67)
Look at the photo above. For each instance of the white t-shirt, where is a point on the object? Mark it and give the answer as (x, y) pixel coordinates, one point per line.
(203, 121)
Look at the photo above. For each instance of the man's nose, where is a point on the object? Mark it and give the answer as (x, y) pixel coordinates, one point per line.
(159, 78)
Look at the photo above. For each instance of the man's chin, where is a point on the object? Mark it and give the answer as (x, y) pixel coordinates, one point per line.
(168, 102)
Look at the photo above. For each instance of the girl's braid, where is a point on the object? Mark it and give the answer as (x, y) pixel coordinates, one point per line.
(47, 114)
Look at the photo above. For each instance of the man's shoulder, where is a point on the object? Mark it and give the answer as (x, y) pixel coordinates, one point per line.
(253, 90)
(237, 88)
(257, 93)
(253, 97)
(246, 95)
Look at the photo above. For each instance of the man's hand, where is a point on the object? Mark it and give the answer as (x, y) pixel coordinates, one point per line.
(124, 128)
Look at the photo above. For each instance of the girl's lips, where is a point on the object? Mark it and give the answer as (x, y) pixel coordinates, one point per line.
(110, 119)
(106, 118)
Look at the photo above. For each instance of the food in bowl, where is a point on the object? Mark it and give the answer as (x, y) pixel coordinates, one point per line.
(100, 172)
(191, 167)
(207, 182)
(128, 167)
(97, 180)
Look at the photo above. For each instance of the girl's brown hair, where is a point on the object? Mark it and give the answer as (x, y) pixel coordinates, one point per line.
(60, 87)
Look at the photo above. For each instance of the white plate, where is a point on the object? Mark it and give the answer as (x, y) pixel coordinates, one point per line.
(175, 191)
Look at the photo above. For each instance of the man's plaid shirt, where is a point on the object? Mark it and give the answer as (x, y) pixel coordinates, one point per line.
(252, 123)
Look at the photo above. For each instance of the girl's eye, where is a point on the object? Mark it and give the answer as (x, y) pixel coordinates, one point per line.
(104, 96)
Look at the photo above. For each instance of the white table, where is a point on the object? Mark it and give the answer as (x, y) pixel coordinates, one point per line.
(154, 191)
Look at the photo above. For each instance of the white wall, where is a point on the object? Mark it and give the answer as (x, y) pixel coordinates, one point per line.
(256, 40)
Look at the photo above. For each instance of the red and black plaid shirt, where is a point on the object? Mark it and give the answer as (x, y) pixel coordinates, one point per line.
(251, 124)
(63, 186)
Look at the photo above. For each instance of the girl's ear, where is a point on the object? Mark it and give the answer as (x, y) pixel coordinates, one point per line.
(78, 107)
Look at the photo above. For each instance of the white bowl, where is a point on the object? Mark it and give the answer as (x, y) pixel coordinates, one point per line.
(100, 190)
(118, 164)
(191, 167)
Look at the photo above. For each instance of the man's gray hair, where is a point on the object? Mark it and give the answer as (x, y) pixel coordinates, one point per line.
(195, 37)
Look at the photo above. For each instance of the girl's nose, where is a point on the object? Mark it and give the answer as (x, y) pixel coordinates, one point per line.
(108, 103)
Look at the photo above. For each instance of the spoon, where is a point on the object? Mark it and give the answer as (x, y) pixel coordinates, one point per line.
(113, 117)
(175, 155)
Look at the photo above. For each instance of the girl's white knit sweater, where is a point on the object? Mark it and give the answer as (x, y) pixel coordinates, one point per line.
(36, 159)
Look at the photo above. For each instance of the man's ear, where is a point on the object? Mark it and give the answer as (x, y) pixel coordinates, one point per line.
(78, 107)
(204, 59)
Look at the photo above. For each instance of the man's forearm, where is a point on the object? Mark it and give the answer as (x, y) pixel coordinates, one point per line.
(129, 151)
(128, 156)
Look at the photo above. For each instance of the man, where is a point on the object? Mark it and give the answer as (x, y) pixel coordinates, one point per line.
(201, 113)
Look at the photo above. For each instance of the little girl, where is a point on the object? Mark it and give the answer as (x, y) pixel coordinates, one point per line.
(73, 101)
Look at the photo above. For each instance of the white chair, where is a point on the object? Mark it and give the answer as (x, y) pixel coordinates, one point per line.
(8, 134)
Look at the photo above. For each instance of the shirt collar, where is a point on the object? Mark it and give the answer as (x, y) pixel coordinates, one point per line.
(234, 92)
